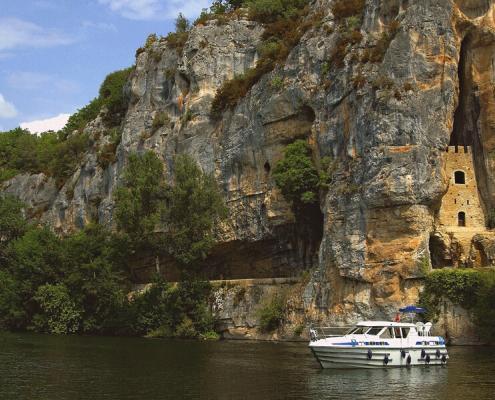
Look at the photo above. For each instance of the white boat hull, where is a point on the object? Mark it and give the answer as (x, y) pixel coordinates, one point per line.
(358, 357)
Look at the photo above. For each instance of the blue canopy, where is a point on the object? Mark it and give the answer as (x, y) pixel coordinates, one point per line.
(412, 309)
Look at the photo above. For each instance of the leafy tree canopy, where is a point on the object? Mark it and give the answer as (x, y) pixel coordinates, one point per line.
(296, 175)
(140, 199)
(185, 213)
(195, 205)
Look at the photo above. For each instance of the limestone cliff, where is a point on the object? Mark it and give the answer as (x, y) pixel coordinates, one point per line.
(420, 76)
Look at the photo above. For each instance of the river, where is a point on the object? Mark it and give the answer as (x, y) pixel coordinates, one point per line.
(39, 367)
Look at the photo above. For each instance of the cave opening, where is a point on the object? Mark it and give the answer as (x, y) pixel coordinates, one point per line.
(267, 167)
(462, 132)
(440, 254)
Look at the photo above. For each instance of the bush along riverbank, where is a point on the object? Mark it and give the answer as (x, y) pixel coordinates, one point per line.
(471, 289)
(80, 283)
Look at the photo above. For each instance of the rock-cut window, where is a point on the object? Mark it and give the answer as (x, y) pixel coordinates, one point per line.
(459, 177)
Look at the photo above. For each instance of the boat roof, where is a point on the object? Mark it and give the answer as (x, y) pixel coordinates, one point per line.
(385, 323)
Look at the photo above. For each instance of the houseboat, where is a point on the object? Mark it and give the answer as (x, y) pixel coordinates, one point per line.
(379, 344)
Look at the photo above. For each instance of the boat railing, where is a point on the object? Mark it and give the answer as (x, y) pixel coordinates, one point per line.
(322, 332)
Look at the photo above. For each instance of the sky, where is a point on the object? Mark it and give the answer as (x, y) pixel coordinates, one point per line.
(54, 54)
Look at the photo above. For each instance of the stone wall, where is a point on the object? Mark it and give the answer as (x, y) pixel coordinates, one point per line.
(456, 325)
(236, 305)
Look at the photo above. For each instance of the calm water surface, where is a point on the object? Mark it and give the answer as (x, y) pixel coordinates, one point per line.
(53, 368)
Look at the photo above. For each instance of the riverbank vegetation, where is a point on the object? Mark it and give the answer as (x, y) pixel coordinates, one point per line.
(80, 283)
(472, 289)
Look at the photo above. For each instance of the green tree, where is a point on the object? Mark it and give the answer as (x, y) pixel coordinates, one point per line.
(12, 222)
(485, 305)
(12, 314)
(297, 176)
(187, 211)
(182, 24)
(113, 97)
(223, 6)
(93, 276)
(172, 310)
(195, 205)
(35, 259)
(271, 10)
(271, 315)
(140, 200)
(50, 153)
(58, 313)
(79, 120)
(66, 157)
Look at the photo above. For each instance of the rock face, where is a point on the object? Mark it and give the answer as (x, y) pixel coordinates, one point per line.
(456, 325)
(386, 125)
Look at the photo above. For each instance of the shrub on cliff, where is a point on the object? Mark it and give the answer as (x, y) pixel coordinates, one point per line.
(79, 120)
(166, 310)
(472, 289)
(285, 23)
(347, 8)
(59, 154)
(271, 315)
(271, 10)
(111, 95)
(485, 305)
(296, 175)
(50, 153)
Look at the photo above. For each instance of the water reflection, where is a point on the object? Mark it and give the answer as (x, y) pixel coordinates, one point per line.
(48, 367)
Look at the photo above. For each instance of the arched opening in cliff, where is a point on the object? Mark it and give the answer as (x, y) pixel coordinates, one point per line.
(474, 8)
(467, 111)
(468, 124)
(440, 252)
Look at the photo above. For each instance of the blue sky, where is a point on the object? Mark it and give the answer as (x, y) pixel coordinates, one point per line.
(54, 54)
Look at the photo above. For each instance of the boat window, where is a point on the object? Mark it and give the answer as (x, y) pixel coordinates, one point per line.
(397, 332)
(375, 331)
(387, 333)
(360, 330)
(405, 332)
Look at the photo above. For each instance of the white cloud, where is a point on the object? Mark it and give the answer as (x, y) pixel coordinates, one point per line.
(49, 124)
(156, 9)
(102, 26)
(16, 33)
(25, 80)
(7, 110)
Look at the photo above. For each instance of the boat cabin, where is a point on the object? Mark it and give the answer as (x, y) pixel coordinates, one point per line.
(390, 330)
